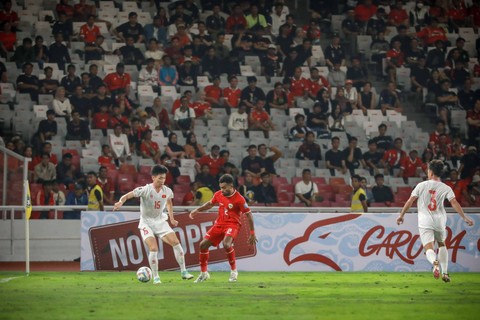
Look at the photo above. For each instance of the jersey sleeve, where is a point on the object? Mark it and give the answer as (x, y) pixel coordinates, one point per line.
(450, 194)
(242, 205)
(214, 199)
(170, 194)
(416, 190)
(140, 191)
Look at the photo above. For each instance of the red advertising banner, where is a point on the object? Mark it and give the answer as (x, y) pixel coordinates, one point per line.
(119, 246)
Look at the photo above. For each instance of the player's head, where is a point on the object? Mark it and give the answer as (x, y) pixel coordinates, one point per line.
(226, 184)
(91, 178)
(159, 174)
(435, 169)
(356, 181)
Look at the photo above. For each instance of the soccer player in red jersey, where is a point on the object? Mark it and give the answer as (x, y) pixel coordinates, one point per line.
(231, 204)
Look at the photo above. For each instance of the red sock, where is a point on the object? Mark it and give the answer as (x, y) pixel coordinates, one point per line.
(204, 260)
(231, 259)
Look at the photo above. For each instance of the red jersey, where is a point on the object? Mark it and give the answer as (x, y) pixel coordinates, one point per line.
(114, 81)
(396, 57)
(106, 186)
(474, 12)
(410, 166)
(230, 208)
(431, 35)
(397, 16)
(260, 116)
(88, 34)
(364, 13)
(214, 164)
(212, 91)
(67, 9)
(458, 187)
(104, 160)
(150, 148)
(200, 108)
(298, 86)
(9, 39)
(122, 120)
(232, 96)
(316, 86)
(11, 16)
(188, 198)
(457, 14)
(393, 157)
(163, 118)
(234, 21)
(435, 136)
(100, 120)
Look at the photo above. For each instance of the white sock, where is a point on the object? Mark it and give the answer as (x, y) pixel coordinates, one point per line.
(179, 255)
(431, 256)
(443, 258)
(153, 261)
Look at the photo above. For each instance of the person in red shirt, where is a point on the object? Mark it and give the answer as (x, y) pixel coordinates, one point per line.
(82, 11)
(202, 108)
(395, 59)
(44, 197)
(435, 135)
(474, 12)
(459, 186)
(236, 20)
(316, 83)
(8, 39)
(106, 157)
(213, 160)
(473, 122)
(457, 14)
(163, 119)
(213, 93)
(409, 165)
(393, 157)
(232, 94)
(117, 117)
(118, 80)
(64, 7)
(398, 16)
(432, 34)
(101, 119)
(231, 206)
(260, 120)
(149, 148)
(8, 15)
(89, 31)
(298, 84)
(363, 12)
(177, 103)
(107, 186)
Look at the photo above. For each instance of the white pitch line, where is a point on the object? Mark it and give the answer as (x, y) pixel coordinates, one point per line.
(8, 279)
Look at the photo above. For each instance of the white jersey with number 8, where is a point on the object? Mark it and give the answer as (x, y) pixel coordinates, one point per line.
(431, 195)
(153, 203)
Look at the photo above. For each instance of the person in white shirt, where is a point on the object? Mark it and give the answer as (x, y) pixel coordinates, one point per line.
(279, 18)
(306, 190)
(154, 198)
(238, 120)
(61, 104)
(152, 121)
(148, 76)
(432, 218)
(119, 145)
(184, 116)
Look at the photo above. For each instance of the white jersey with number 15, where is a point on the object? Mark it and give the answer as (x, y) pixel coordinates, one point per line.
(431, 194)
(153, 203)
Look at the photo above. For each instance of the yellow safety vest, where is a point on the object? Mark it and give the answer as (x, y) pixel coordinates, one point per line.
(356, 203)
(93, 203)
(207, 194)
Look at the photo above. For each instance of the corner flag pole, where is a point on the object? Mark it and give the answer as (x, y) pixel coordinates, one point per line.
(27, 202)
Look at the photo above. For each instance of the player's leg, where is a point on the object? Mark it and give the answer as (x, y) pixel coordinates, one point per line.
(151, 243)
(442, 254)
(428, 241)
(203, 260)
(230, 251)
(171, 239)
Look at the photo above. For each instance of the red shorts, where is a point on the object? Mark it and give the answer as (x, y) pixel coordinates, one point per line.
(217, 232)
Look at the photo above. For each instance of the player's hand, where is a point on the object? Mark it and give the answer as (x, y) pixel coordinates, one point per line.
(252, 240)
(117, 205)
(469, 221)
(399, 220)
(192, 214)
(174, 222)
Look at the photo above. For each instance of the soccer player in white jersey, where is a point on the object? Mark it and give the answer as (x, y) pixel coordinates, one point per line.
(154, 198)
(432, 217)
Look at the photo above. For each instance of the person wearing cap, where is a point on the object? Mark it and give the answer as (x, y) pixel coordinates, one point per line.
(473, 122)
(131, 28)
(188, 72)
(334, 53)
(148, 76)
(183, 36)
(118, 80)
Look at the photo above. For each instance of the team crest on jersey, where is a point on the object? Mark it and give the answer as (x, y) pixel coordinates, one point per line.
(164, 196)
(230, 206)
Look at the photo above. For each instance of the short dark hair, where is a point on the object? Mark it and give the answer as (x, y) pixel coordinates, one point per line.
(383, 125)
(398, 139)
(264, 174)
(226, 178)
(436, 166)
(92, 173)
(159, 169)
(298, 116)
(356, 176)
(335, 138)
(379, 175)
(371, 141)
(67, 155)
(306, 171)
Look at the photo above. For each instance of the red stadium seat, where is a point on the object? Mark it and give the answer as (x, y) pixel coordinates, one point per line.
(319, 181)
(279, 180)
(125, 182)
(143, 179)
(404, 190)
(145, 169)
(181, 188)
(325, 188)
(284, 196)
(378, 205)
(128, 168)
(337, 181)
(73, 152)
(285, 187)
(295, 180)
(183, 179)
(339, 197)
(178, 199)
(344, 189)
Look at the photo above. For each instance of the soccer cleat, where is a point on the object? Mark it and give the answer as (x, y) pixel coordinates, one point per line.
(436, 270)
(446, 277)
(186, 275)
(202, 277)
(233, 276)
(156, 280)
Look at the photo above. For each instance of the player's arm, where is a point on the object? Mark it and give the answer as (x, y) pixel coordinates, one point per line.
(252, 239)
(170, 212)
(122, 200)
(405, 208)
(206, 206)
(458, 208)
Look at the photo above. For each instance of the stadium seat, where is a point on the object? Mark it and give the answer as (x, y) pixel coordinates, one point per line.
(128, 168)
(125, 182)
(183, 179)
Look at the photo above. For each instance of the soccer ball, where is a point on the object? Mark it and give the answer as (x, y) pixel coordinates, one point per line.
(144, 274)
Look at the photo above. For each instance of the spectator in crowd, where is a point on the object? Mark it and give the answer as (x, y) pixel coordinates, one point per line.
(184, 117)
(131, 28)
(58, 52)
(61, 104)
(232, 94)
(357, 73)
(9, 15)
(151, 120)
(28, 83)
(215, 22)
(81, 103)
(364, 185)
(173, 149)
(459, 187)
(214, 161)
(213, 93)
(277, 98)
(94, 50)
(336, 77)
(71, 80)
(309, 150)
(203, 193)
(108, 187)
(44, 197)
(389, 99)
(379, 48)
(260, 120)
(334, 54)
(76, 197)
(77, 129)
(45, 170)
(95, 193)
(440, 129)
(469, 163)
(398, 16)
(353, 156)
(436, 56)
(8, 39)
(376, 24)
(210, 64)
(130, 55)
(351, 28)
(252, 94)
(395, 59)
(47, 129)
(247, 189)
(63, 26)
(41, 51)
(264, 191)
(45, 148)
(359, 197)
(252, 163)
(236, 20)
(367, 99)
(306, 191)
(269, 161)
(193, 149)
(409, 167)
(290, 62)
(403, 37)
(188, 73)
(413, 54)
(383, 141)
(105, 157)
(238, 120)
(118, 80)
(373, 157)
(381, 192)
(298, 84)
(473, 122)
(419, 76)
(419, 15)
(204, 178)
(393, 157)
(149, 149)
(24, 53)
(119, 145)
(299, 131)
(317, 121)
(67, 173)
(351, 94)
(334, 158)
(466, 96)
(48, 85)
(432, 33)
(446, 100)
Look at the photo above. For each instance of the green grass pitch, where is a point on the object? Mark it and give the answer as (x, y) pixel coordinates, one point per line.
(256, 295)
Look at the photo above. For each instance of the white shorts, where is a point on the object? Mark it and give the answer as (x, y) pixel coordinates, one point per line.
(157, 228)
(430, 235)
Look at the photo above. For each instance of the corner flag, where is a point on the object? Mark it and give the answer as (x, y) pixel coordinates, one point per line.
(28, 206)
